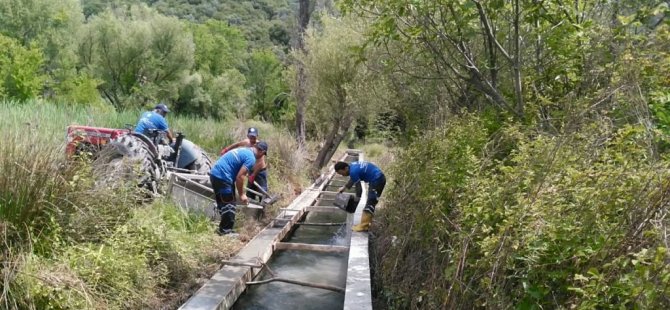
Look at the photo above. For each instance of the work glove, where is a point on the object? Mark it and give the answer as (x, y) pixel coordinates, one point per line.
(223, 151)
(251, 179)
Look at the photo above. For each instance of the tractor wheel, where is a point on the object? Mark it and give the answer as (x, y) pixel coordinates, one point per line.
(129, 157)
(202, 165)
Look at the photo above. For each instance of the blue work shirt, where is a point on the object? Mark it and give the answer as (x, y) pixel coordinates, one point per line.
(151, 120)
(364, 171)
(230, 164)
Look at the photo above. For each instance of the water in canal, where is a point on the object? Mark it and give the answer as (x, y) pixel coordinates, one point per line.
(314, 267)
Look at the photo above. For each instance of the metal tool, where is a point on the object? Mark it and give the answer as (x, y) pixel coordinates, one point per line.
(267, 198)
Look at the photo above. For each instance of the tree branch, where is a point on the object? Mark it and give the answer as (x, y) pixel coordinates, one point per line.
(489, 31)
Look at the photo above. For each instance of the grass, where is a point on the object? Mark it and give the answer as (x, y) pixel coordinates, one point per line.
(70, 245)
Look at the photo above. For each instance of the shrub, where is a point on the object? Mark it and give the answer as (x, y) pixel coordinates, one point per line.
(20, 76)
(504, 219)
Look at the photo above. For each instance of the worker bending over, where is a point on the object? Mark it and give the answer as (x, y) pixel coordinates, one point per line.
(259, 172)
(231, 169)
(367, 172)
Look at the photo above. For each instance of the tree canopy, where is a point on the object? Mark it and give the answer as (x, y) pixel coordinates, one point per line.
(197, 56)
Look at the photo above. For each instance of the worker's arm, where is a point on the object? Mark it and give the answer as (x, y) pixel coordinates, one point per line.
(234, 146)
(348, 185)
(239, 184)
(260, 165)
(162, 125)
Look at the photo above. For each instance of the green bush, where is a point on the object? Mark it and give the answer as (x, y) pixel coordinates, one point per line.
(156, 250)
(505, 219)
(20, 70)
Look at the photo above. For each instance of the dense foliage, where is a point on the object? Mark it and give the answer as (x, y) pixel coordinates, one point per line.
(534, 61)
(505, 218)
(536, 167)
(201, 57)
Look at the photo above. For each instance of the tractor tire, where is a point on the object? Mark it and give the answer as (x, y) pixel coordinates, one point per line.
(129, 158)
(202, 165)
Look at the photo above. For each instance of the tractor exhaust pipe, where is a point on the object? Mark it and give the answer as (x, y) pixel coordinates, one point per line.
(177, 147)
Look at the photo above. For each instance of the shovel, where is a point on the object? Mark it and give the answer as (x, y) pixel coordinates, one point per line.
(267, 198)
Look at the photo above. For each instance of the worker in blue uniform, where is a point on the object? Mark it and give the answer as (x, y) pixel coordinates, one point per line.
(228, 175)
(366, 172)
(155, 120)
(259, 174)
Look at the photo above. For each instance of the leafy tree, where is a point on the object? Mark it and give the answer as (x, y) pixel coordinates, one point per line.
(218, 97)
(228, 89)
(219, 47)
(95, 7)
(21, 76)
(266, 85)
(51, 26)
(341, 88)
(140, 55)
(81, 89)
(257, 19)
(50, 23)
(216, 88)
(532, 60)
(279, 34)
(193, 99)
(448, 34)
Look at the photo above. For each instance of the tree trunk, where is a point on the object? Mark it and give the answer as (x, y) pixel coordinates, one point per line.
(333, 140)
(517, 62)
(301, 85)
(301, 98)
(480, 80)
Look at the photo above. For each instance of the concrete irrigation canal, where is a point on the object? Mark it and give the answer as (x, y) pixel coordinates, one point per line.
(307, 258)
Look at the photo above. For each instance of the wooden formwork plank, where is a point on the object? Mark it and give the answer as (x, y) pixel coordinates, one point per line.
(330, 192)
(323, 209)
(188, 176)
(311, 247)
(320, 224)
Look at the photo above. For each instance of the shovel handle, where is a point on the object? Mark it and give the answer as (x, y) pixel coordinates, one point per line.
(253, 191)
(260, 188)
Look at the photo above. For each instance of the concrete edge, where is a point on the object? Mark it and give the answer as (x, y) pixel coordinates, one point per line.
(358, 293)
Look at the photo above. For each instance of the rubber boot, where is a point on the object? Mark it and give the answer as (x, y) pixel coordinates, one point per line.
(366, 219)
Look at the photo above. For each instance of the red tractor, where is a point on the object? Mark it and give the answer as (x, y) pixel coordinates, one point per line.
(153, 155)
